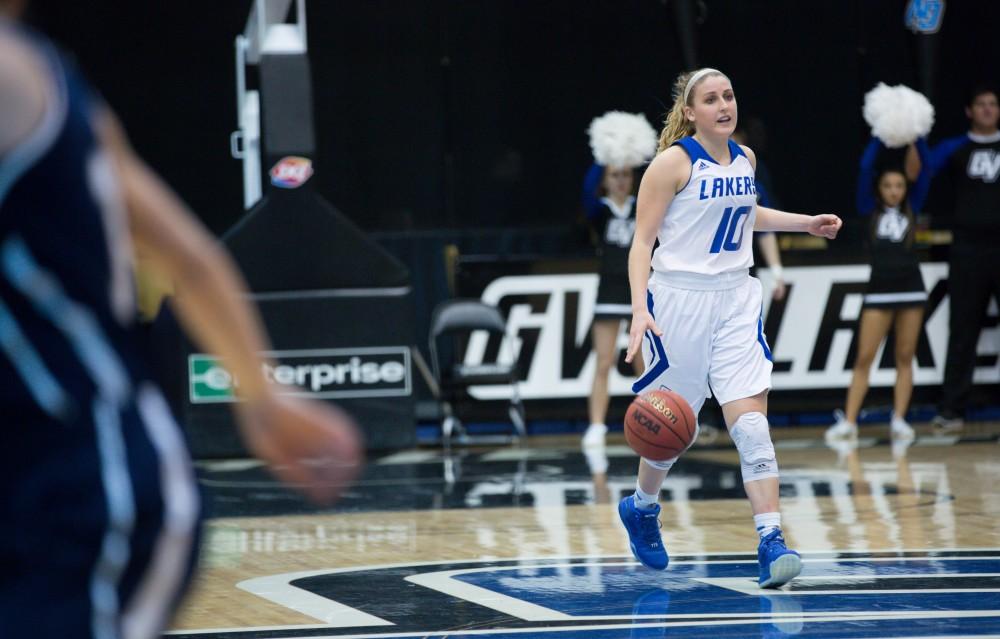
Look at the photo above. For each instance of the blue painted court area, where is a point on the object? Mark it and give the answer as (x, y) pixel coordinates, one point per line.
(711, 588)
(910, 596)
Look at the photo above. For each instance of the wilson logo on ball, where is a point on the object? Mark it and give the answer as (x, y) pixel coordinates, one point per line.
(662, 407)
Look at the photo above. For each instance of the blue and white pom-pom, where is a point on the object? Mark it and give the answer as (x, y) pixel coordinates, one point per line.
(622, 139)
(897, 115)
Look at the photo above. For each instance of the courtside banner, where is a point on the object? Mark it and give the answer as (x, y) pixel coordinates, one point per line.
(811, 332)
(320, 373)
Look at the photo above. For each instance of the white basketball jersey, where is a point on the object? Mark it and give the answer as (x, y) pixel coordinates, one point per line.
(708, 227)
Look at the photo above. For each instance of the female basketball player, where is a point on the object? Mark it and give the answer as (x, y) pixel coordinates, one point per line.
(696, 319)
(895, 295)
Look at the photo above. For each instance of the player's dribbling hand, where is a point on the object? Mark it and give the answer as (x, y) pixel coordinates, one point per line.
(642, 321)
(312, 446)
(825, 225)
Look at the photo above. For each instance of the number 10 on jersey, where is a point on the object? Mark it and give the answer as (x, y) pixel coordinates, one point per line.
(729, 225)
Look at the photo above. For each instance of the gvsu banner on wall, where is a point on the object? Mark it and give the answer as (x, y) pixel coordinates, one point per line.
(812, 333)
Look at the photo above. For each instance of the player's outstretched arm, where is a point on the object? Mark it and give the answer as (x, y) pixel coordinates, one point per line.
(666, 175)
(823, 225)
(306, 443)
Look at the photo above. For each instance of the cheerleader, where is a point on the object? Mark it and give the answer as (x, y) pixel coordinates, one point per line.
(895, 296)
(620, 142)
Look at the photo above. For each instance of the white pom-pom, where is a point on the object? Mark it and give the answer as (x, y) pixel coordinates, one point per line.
(622, 139)
(897, 115)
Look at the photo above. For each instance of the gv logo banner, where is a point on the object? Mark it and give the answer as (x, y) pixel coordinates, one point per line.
(812, 332)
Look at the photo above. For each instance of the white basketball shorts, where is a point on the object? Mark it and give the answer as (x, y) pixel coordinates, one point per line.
(713, 337)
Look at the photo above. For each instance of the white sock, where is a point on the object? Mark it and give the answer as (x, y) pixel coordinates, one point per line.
(766, 522)
(643, 499)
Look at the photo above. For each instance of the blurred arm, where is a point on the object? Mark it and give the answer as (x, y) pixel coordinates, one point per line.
(23, 88)
(210, 292)
(311, 445)
(932, 159)
(865, 196)
(918, 193)
(591, 186)
(912, 163)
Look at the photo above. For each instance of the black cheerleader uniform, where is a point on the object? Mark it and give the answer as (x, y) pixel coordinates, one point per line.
(616, 226)
(895, 277)
(895, 280)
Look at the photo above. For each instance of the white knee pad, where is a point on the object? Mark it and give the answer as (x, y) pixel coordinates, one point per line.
(753, 441)
(666, 465)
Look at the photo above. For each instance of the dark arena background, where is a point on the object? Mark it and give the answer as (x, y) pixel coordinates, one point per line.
(411, 153)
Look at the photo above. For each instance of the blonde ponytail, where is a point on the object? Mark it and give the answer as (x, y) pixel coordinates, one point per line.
(676, 125)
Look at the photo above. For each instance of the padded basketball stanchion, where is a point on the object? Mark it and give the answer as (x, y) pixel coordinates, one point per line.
(266, 33)
(337, 306)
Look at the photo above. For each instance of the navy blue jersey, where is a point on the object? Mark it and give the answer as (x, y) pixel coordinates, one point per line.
(614, 225)
(65, 272)
(974, 164)
(97, 494)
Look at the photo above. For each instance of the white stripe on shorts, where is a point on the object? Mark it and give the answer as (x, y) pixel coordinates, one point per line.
(29, 364)
(77, 322)
(115, 546)
(146, 613)
(889, 298)
(624, 309)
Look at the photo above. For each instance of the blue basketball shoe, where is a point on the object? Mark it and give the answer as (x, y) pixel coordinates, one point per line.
(778, 564)
(643, 526)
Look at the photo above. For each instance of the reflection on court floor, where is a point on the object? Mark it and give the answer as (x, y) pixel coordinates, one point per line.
(525, 543)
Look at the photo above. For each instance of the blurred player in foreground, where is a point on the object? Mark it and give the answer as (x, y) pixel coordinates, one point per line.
(98, 505)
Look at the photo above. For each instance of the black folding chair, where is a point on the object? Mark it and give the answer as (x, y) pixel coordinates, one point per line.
(457, 320)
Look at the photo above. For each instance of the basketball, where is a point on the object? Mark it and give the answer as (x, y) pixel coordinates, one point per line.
(659, 425)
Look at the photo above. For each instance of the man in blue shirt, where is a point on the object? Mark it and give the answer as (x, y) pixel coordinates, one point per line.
(973, 161)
